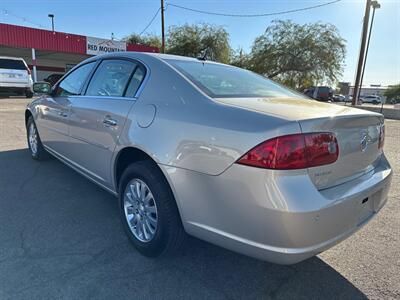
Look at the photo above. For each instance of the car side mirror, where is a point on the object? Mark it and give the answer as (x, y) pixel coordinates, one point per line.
(42, 88)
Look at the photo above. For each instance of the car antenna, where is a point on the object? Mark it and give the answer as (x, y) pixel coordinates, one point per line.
(204, 57)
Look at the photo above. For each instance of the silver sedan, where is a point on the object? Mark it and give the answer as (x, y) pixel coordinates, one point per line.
(215, 151)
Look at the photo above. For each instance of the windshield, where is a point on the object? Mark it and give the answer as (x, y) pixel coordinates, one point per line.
(223, 81)
(12, 64)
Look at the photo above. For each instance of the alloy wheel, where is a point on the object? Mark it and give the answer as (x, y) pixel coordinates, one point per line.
(33, 138)
(140, 210)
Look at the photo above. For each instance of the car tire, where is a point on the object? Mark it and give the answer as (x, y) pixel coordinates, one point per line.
(166, 235)
(34, 143)
(28, 94)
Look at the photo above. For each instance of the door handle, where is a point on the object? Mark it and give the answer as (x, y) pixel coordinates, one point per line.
(109, 121)
(63, 114)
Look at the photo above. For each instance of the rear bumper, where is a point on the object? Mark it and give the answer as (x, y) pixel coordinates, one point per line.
(277, 216)
(18, 89)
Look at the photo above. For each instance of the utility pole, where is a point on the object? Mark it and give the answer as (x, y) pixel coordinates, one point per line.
(375, 5)
(162, 28)
(361, 57)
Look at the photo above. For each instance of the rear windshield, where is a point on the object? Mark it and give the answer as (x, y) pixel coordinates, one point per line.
(223, 81)
(12, 64)
(324, 89)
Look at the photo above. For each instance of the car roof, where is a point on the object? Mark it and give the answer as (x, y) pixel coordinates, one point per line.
(167, 57)
(172, 56)
(161, 56)
(10, 57)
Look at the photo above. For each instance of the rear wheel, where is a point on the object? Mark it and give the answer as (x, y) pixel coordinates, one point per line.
(34, 143)
(148, 210)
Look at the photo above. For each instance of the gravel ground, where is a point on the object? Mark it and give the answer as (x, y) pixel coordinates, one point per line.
(60, 238)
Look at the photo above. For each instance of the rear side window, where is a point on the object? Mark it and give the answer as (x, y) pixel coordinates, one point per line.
(111, 78)
(12, 64)
(135, 82)
(74, 82)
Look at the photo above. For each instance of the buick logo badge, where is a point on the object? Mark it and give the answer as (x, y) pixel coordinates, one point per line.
(364, 141)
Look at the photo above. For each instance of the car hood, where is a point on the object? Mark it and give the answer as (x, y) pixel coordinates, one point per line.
(293, 108)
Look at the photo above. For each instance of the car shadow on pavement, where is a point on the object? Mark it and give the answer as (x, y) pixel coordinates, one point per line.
(60, 237)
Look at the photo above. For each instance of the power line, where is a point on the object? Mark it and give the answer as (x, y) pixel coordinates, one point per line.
(251, 15)
(7, 12)
(151, 21)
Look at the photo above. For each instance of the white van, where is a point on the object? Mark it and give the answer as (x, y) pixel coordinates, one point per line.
(15, 77)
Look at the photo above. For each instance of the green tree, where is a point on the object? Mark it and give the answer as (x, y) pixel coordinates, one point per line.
(148, 40)
(299, 55)
(239, 58)
(196, 40)
(393, 92)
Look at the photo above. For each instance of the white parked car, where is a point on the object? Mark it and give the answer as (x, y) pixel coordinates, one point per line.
(374, 99)
(15, 77)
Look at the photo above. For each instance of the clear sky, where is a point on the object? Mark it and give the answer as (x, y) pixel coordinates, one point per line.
(100, 18)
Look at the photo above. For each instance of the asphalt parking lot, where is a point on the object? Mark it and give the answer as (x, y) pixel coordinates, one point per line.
(61, 238)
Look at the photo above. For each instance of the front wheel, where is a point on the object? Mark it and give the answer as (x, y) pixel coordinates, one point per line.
(148, 210)
(34, 143)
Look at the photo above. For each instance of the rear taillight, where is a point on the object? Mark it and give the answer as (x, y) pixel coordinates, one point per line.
(296, 151)
(29, 71)
(381, 136)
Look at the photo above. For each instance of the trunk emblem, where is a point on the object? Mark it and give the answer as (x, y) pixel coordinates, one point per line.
(365, 139)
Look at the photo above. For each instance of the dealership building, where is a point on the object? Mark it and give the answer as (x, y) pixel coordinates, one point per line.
(373, 90)
(52, 52)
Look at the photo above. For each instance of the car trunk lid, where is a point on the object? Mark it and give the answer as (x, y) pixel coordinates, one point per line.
(358, 139)
(357, 132)
(14, 76)
(13, 71)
